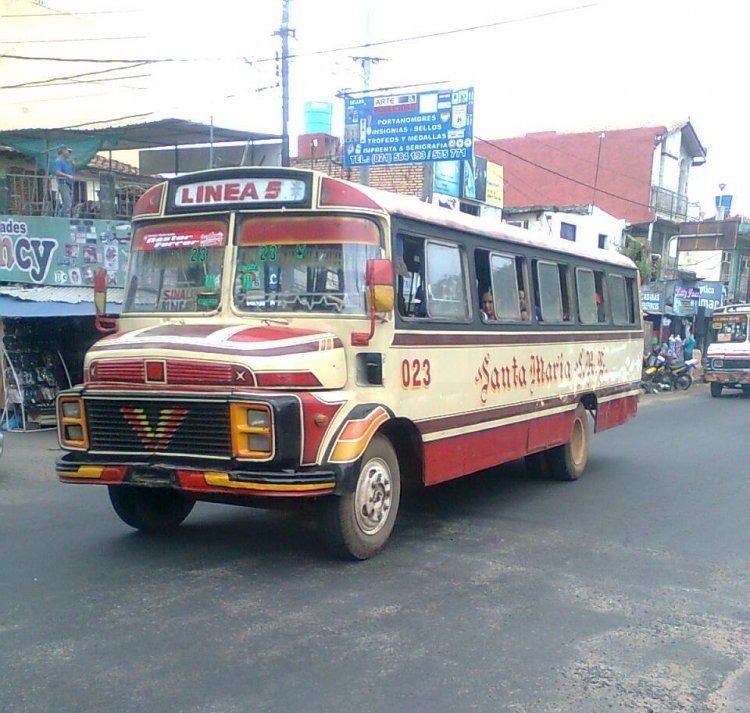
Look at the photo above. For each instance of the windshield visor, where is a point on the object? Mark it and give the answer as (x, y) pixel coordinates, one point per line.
(176, 266)
(310, 264)
(727, 328)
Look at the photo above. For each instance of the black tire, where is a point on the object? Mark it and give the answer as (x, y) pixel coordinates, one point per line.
(150, 509)
(716, 389)
(746, 389)
(567, 462)
(537, 465)
(357, 525)
(683, 382)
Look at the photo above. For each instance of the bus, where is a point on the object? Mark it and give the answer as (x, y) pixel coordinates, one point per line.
(287, 337)
(727, 360)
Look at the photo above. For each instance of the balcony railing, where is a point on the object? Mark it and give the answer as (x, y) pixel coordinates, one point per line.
(668, 204)
(36, 194)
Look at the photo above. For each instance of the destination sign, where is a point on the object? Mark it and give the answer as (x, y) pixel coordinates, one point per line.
(415, 127)
(239, 191)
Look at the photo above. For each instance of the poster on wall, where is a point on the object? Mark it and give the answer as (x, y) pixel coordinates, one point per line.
(62, 253)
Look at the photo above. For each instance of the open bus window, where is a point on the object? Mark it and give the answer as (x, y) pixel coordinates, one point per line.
(410, 277)
(729, 328)
(600, 297)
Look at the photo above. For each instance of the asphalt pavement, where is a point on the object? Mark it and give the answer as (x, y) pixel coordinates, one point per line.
(628, 590)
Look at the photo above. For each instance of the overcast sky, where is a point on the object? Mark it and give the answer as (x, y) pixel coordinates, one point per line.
(538, 65)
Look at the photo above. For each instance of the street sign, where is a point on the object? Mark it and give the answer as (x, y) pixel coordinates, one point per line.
(416, 127)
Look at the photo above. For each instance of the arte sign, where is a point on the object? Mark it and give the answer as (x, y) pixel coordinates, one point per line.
(417, 127)
(51, 251)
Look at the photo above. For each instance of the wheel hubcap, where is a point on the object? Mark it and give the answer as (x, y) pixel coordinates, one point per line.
(374, 496)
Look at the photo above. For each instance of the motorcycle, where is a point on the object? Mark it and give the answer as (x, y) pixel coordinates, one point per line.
(651, 379)
(676, 374)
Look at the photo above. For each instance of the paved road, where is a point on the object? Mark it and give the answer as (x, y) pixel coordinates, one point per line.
(626, 591)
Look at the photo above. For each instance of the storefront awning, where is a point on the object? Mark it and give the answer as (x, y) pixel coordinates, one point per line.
(22, 302)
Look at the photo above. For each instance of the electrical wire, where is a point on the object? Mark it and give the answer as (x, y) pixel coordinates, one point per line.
(566, 177)
(73, 39)
(62, 13)
(58, 80)
(334, 50)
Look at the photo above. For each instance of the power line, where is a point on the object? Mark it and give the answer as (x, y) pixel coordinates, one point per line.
(72, 14)
(334, 50)
(74, 39)
(57, 80)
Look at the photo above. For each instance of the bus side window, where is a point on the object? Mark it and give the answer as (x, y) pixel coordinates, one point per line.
(547, 288)
(586, 293)
(410, 277)
(505, 287)
(618, 299)
(446, 282)
(601, 297)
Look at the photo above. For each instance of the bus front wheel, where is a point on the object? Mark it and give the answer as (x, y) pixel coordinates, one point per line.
(716, 389)
(149, 509)
(567, 462)
(357, 525)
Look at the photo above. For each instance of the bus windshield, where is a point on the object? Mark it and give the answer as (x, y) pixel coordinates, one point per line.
(304, 264)
(729, 328)
(176, 266)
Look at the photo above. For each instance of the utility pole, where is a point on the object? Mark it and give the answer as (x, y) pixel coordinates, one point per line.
(366, 63)
(284, 33)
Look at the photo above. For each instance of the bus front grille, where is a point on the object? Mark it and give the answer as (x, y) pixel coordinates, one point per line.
(174, 427)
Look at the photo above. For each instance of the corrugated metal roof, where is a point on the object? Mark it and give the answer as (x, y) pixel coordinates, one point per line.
(68, 295)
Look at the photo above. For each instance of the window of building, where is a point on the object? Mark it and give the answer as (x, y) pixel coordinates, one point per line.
(602, 241)
(568, 231)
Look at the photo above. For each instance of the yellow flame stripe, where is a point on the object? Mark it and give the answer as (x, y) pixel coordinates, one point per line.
(222, 480)
(347, 451)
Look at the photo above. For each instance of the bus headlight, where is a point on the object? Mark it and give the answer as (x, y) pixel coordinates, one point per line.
(71, 417)
(252, 431)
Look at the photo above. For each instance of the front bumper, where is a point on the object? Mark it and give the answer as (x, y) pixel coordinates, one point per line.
(199, 481)
(727, 377)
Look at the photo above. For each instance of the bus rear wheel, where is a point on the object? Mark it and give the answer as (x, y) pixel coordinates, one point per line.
(716, 389)
(150, 509)
(567, 462)
(357, 525)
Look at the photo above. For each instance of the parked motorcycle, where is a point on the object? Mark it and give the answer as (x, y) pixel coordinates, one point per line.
(676, 374)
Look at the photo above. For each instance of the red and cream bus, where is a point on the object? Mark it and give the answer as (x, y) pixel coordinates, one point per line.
(286, 335)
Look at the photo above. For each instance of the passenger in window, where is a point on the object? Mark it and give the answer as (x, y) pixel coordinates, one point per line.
(523, 307)
(600, 316)
(487, 305)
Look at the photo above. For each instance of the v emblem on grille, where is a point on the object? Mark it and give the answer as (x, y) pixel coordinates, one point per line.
(155, 437)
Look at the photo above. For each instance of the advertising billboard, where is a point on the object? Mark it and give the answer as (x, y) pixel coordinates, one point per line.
(415, 127)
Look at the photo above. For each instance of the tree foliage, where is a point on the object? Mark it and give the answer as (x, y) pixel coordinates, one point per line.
(639, 252)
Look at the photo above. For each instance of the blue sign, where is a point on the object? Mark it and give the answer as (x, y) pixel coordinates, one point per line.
(435, 125)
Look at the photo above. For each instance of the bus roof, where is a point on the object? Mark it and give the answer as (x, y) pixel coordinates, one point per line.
(415, 209)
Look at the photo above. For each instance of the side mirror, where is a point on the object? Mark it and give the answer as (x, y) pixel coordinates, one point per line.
(380, 296)
(379, 281)
(101, 321)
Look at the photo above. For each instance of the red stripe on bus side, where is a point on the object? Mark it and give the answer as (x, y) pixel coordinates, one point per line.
(424, 339)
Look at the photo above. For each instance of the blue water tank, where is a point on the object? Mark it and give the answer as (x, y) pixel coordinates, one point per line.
(317, 117)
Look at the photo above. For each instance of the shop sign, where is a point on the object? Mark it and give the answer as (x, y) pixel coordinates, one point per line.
(685, 300)
(59, 252)
(494, 185)
(711, 295)
(414, 127)
(652, 298)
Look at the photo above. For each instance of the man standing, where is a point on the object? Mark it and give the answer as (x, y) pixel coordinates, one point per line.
(64, 170)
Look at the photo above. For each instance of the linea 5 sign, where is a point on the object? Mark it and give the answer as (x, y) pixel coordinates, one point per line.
(416, 127)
